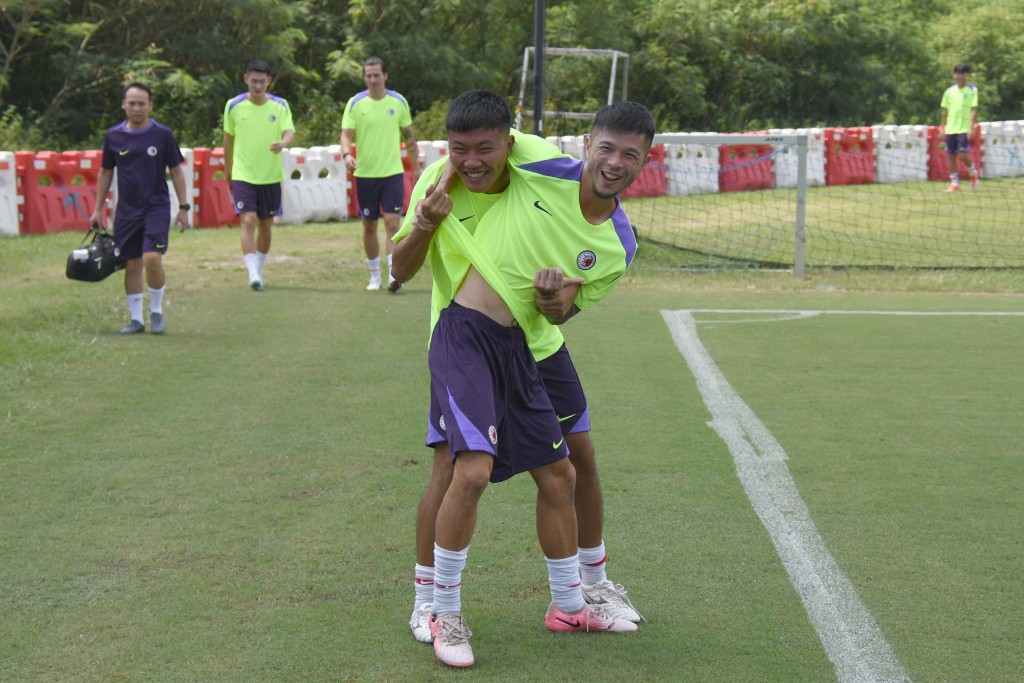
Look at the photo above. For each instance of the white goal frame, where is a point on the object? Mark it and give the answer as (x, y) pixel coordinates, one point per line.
(800, 141)
(614, 55)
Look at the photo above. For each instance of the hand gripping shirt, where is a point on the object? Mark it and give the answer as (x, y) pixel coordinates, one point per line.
(255, 127)
(958, 103)
(537, 223)
(449, 265)
(378, 125)
(141, 158)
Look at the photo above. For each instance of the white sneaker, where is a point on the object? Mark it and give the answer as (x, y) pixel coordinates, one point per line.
(613, 598)
(419, 623)
(374, 283)
(451, 639)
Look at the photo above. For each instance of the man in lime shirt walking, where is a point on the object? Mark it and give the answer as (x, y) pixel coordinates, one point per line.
(377, 119)
(959, 115)
(257, 127)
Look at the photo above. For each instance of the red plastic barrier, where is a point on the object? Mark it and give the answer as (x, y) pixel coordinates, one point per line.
(938, 160)
(744, 167)
(651, 181)
(59, 190)
(849, 156)
(214, 206)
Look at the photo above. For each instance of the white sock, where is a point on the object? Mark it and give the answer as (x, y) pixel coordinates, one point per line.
(592, 565)
(424, 585)
(389, 269)
(564, 579)
(954, 178)
(261, 258)
(253, 264)
(135, 306)
(374, 265)
(156, 299)
(448, 566)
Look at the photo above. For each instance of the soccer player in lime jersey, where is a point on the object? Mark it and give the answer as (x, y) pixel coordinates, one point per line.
(566, 394)
(257, 128)
(459, 364)
(959, 114)
(376, 119)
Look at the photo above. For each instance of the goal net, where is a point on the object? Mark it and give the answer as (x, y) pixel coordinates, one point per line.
(807, 198)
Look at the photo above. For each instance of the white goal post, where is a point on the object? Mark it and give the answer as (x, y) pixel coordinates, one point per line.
(797, 141)
(614, 55)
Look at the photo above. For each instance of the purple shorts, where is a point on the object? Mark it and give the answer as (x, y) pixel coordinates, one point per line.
(490, 393)
(380, 195)
(958, 143)
(562, 384)
(265, 200)
(135, 237)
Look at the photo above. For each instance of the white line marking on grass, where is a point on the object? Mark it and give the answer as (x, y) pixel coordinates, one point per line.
(852, 640)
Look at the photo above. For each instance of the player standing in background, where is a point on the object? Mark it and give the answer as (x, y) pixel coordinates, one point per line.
(561, 382)
(495, 412)
(376, 119)
(959, 115)
(142, 151)
(257, 127)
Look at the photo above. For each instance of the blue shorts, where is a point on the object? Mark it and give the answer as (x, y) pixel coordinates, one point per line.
(380, 195)
(562, 384)
(149, 232)
(958, 143)
(490, 393)
(265, 200)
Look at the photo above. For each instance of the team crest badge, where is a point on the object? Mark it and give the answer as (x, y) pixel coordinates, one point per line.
(492, 434)
(151, 151)
(391, 112)
(272, 118)
(440, 423)
(240, 205)
(586, 260)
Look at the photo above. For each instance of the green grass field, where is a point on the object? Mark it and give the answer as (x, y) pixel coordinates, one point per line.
(234, 500)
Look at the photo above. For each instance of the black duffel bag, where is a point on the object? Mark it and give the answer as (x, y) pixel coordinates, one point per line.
(94, 259)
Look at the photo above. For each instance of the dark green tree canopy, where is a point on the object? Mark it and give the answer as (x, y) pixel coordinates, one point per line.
(699, 64)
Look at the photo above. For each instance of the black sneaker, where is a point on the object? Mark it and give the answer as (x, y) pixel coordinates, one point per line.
(156, 323)
(134, 327)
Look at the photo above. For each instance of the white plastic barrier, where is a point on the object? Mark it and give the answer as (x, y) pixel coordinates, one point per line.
(569, 144)
(330, 183)
(784, 160)
(315, 186)
(1003, 149)
(901, 153)
(296, 196)
(431, 151)
(8, 195)
(189, 167)
(691, 169)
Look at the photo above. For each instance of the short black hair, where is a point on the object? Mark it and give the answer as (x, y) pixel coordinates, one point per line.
(478, 110)
(375, 60)
(962, 68)
(138, 86)
(258, 66)
(625, 117)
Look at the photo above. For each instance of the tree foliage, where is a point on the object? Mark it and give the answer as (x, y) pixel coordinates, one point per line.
(699, 64)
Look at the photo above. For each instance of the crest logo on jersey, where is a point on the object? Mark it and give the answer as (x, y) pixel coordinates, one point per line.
(272, 118)
(492, 434)
(440, 423)
(240, 205)
(586, 260)
(391, 111)
(117, 252)
(366, 212)
(151, 151)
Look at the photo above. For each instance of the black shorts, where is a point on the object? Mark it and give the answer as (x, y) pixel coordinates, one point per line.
(380, 195)
(265, 200)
